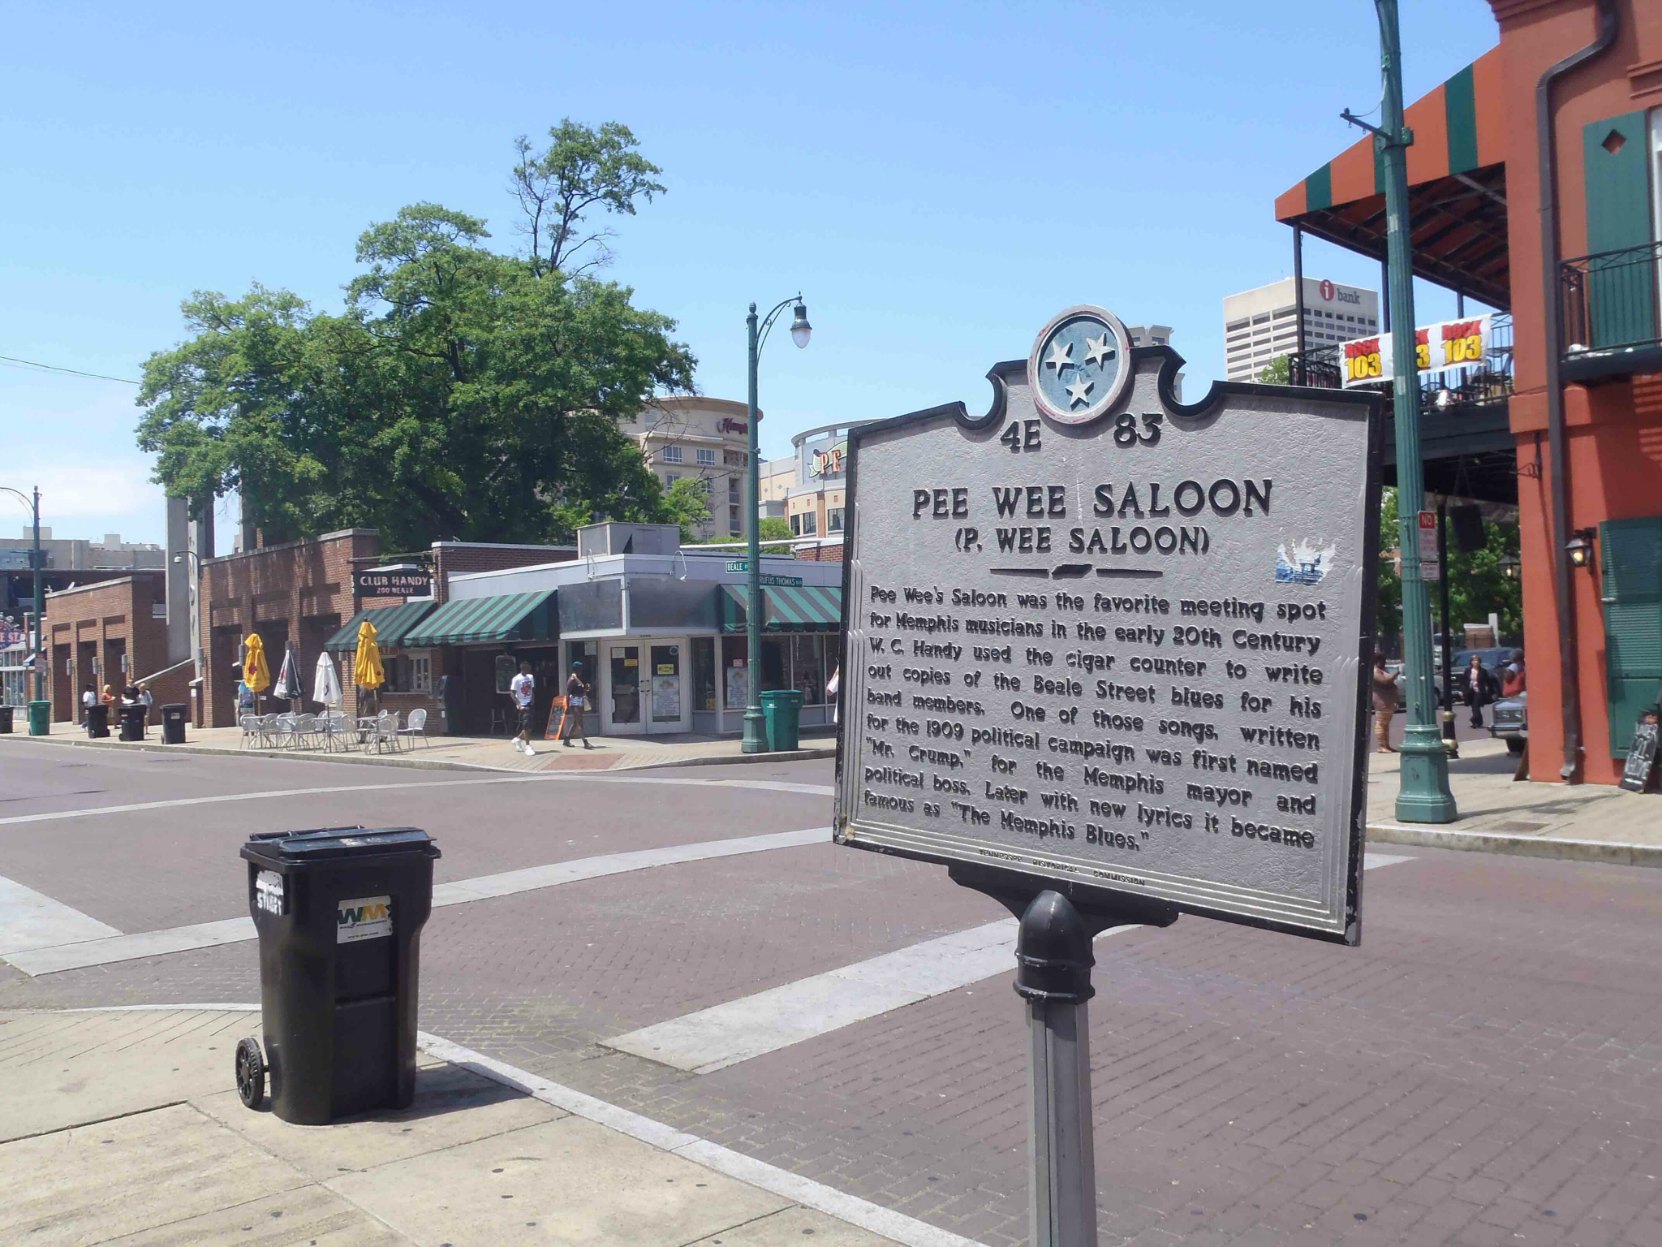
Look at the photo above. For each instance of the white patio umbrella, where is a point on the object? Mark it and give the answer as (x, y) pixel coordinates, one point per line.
(326, 681)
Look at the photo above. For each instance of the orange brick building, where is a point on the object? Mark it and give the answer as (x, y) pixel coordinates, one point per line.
(1536, 189)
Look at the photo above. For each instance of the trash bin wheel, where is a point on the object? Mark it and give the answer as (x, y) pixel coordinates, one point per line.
(250, 1073)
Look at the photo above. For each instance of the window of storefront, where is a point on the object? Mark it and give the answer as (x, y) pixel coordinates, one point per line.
(834, 519)
(704, 672)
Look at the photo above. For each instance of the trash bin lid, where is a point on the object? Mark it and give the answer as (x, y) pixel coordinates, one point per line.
(324, 843)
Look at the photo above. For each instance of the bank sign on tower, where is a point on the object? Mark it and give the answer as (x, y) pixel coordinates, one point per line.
(1103, 637)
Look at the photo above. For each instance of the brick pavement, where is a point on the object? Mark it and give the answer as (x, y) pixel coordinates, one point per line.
(1484, 1067)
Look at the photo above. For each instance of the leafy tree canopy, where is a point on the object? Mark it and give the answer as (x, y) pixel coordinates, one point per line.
(460, 393)
(688, 504)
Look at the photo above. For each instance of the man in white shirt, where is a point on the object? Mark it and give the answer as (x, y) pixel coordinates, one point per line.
(524, 691)
(89, 699)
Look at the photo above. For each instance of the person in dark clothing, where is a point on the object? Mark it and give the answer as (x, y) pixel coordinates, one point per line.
(1481, 688)
(577, 701)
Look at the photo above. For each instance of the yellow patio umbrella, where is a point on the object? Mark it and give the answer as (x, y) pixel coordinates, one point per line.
(255, 673)
(366, 667)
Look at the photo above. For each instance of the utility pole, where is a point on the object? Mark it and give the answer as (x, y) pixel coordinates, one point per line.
(1424, 795)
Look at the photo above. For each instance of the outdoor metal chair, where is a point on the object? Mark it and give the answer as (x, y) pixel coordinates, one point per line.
(283, 730)
(306, 731)
(336, 730)
(385, 732)
(250, 725)
(415, 726)
(267, 728)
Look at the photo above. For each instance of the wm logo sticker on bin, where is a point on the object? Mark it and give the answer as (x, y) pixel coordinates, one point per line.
(367, 918)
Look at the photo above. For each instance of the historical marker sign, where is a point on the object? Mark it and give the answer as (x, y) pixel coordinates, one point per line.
(1103, 638)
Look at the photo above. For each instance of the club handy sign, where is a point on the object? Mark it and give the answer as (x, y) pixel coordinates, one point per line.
(1101, 636)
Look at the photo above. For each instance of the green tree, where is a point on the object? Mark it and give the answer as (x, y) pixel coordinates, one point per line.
(461, 393)
(1279, 371)
(582, 170)
(772, 528)
(687, 503)
(1476, 584)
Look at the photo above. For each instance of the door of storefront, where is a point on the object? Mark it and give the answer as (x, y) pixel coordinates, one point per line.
(646, 688)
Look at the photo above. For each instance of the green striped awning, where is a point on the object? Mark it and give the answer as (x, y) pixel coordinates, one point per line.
(474, 621)
(391, 623)
(804, 609)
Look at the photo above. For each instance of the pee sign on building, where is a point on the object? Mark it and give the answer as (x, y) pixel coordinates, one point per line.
(1101, 637)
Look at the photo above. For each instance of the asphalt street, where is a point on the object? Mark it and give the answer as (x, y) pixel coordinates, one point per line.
(690, 946)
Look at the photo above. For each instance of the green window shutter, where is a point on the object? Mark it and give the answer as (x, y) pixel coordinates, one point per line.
(1630, 552)
(1621, 289)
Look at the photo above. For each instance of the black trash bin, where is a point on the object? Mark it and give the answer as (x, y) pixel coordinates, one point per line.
(98, 720)
(173, 723)
(132, 722)
(339, 913)
(6, 720)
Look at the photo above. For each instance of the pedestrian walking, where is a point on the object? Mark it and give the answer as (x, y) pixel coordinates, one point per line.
(89, 699)
(577, 702)
(1481, 688)
(146, 699)
(523, 690)
(108, 698)
(1384, 702)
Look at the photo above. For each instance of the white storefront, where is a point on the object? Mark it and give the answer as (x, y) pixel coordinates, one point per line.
(660, 632)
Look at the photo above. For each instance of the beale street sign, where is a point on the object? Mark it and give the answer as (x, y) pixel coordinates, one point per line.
(766, 578)
(1100, 638)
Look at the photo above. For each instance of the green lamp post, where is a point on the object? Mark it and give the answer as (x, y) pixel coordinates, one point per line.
(755, 736)
(1424, 795)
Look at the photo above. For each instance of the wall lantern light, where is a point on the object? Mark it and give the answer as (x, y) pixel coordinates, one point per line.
(1580, 547)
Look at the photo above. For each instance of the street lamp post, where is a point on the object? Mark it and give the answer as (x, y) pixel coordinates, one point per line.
(1424, 795)
(755, 740)
(36, 562)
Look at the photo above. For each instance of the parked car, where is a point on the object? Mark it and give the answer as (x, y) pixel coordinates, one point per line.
(1510, 721)
(1395, 667)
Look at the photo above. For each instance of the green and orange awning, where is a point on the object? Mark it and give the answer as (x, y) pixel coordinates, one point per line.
(1457, 188)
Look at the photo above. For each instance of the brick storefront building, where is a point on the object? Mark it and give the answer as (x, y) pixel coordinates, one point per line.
(303, 592)
(111, 633)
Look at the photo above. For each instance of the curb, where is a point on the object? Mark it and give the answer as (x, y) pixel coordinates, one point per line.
(428, 764)
(1605, 852)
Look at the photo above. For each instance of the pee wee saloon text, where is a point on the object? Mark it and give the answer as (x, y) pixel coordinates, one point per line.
(1101, 636)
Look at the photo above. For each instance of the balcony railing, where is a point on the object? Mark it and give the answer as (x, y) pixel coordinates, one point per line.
(1611, 308)
(1486, 383)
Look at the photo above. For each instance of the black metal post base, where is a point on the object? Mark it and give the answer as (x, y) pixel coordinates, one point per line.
(1053, 975)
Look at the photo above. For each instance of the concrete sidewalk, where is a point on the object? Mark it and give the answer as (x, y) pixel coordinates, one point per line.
(124, 1126)
(1497, 814)
(470, 753)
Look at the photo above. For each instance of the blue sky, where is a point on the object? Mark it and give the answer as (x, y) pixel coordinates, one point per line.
(937, 178)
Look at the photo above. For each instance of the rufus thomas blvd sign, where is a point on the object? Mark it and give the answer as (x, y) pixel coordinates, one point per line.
(1102, 639)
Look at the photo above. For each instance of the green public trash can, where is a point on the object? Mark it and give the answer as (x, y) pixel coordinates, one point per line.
(6, 720)
(339, 914)
(40, 718)
(782, 709)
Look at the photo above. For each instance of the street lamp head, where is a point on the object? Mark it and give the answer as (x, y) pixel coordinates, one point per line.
(801, 330)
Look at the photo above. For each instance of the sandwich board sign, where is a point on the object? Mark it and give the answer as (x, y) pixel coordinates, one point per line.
(1101, 640)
